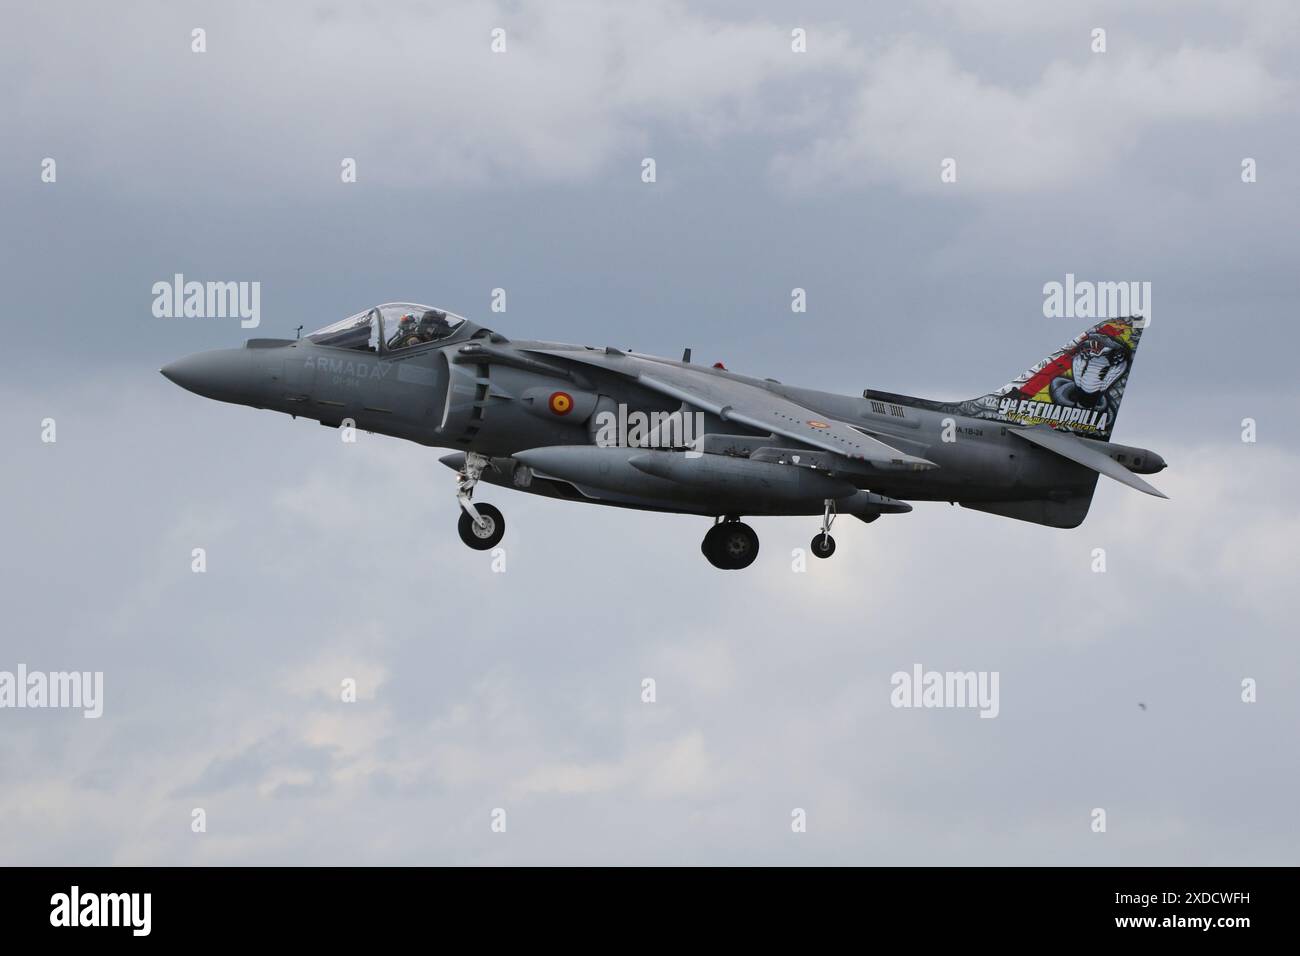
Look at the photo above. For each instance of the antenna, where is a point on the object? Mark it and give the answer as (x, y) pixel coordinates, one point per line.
(686, 356)
(299, 333)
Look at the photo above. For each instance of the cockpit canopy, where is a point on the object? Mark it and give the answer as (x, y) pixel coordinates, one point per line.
(390, 328)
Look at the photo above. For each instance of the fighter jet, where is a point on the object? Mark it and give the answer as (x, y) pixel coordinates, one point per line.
(615, 427)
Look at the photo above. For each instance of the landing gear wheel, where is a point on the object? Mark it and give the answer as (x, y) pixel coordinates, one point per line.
(823, 546)
(730, 546)
(484, 536)
(709, 546)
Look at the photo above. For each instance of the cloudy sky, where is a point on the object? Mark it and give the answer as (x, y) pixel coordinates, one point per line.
(522, 690)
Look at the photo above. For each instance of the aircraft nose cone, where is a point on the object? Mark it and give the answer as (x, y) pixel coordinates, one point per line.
(172, 371)
(223, 374)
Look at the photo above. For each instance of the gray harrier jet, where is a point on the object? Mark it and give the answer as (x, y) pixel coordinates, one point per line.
(615, 427)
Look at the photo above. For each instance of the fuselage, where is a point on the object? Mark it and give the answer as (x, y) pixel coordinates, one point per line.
(477, 392)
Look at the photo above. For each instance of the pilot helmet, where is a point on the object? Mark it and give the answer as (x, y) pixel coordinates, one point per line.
(433, 320)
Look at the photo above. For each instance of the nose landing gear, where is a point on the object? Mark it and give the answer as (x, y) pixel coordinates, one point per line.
(730, 545)
(482, 526)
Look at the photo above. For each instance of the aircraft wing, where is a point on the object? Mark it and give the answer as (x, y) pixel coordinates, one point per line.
(747, 404)
(1069, 446)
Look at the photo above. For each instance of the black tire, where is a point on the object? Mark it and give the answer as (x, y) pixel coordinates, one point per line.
(735, 546)
(823, 546)
(709, 546)
(486, 538)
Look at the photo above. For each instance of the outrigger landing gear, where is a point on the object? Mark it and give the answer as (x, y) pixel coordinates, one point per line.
(730, 544)
(482, 526)
(824, 545)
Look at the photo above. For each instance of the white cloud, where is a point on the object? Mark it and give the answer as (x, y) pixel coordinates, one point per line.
(917, 106)
(580, 86)
(586, 86)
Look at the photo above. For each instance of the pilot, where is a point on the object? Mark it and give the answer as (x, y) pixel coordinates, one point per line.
(433, 325)
(406, 334)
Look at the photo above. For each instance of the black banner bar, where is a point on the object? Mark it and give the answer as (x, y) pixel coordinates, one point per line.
(333, 905)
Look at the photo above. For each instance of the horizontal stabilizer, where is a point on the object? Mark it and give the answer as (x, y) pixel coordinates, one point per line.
(1069, 446)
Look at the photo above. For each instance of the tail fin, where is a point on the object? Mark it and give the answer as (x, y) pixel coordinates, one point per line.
(1077, 388)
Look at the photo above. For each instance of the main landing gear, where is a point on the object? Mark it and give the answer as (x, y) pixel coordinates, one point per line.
(480, 526)
(730, 545)
(823, 546)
